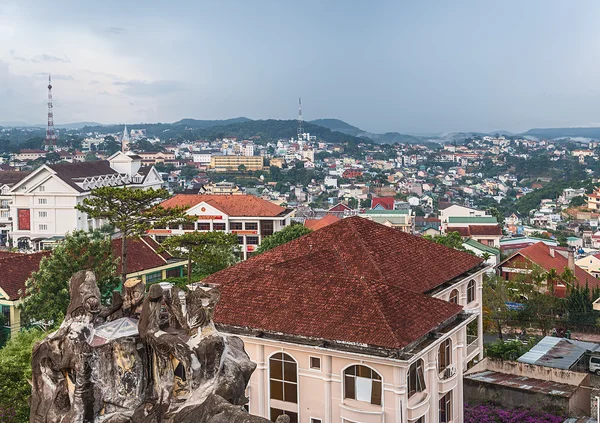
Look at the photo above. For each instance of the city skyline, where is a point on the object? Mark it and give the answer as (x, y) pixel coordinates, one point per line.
(385, 67)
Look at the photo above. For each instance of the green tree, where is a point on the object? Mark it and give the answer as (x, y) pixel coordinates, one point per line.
(208, 252)
(451, 239)
(497, 214)
(496, 293)
(111, 145)
(578, 201)
(242, 168)
(91, 157)
(15, 373)
(507, 350)
(46, 295)
(131, 211)
(285, 235)
(52, 157)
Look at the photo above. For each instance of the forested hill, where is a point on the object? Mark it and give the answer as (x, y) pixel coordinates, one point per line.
(267, 130)
(387, 138)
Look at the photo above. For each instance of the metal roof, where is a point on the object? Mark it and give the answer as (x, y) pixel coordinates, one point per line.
(559, 353)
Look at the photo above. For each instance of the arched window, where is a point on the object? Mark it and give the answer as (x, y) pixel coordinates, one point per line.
(415, 379)
(283, 377)
(454, 296)
(361, 383)
(444, 357)
(471, 291)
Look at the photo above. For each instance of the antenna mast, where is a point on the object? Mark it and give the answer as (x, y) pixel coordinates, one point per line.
(50, 141)
(300, 131)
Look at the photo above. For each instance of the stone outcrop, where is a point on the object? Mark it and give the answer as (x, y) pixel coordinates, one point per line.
(148, 358)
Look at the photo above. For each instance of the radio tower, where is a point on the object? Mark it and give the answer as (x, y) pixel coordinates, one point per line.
(300, 118)
(50, 141)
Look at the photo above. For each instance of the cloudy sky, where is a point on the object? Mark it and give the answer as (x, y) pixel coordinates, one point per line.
(407, 66)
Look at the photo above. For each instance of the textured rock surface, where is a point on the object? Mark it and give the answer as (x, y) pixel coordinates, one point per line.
(171, 365)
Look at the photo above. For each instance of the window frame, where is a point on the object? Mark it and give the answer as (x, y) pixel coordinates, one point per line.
(456, 295)
(222, 225)
(153, 280)
(42, 201)
(254, 226)
(236, 226)
(471, 294)
(310, 363)
(374, 381)
(43, 227)
(418, 364)
(283, 381)
(446, 399)
(445, 355)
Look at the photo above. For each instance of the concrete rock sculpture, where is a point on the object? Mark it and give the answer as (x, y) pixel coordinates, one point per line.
(148, 358)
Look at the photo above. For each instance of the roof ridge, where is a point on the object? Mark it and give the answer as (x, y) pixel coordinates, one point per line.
(364, 247)
(376, 299)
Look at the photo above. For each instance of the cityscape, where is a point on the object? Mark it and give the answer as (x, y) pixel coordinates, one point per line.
(333, 257)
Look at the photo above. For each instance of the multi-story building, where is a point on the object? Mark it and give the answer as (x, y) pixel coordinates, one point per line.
(225, 163)
(356, 322)
(43, 203)
(8, 179)
(593, 200)
(398, 219)
(249, 217)
(471, 224)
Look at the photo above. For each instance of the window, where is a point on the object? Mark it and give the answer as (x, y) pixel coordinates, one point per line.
(415, 380)
(236, 226)
(419, 420)
(252, 240)
(240, 240)
(445, 355)
(189, 226)
(43, 227)
(42, 214)
(251, 226)
(275, 412)
(174, 273)
(5, 213)
(283, 377)
(313, 420)
(42, 188)
(361, 383)
(153, 277)
(42, 201)
(218, 226)
(471, 291)
(454, 296)
(5, 204)
(6, 315)
(203, 226)
(446, 408)
(315, 363)
(266, 227)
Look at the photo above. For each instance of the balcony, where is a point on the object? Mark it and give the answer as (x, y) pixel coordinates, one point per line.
(447, 379)
(472, 344)
(418, 405)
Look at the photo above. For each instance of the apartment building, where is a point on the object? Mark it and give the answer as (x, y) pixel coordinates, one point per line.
(250, 218)
(226, 163)
(42, 207)
(471, 224)
(356, 322)
(8, 179)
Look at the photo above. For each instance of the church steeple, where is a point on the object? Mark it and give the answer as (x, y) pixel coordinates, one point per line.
(125, 140)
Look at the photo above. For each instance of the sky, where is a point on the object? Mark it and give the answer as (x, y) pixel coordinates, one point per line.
(405, 66)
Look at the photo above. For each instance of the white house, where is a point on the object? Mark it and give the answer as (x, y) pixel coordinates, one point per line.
(43, 203)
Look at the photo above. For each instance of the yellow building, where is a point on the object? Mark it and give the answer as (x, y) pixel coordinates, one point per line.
(225, 163)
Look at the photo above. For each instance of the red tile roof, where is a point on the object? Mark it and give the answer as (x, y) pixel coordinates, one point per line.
(386, 202)
(314, 224)
(352, 281)
(476, 230)
(15, 269)
(142, 254)
(231, 205)
(539, 254)
(339, 207)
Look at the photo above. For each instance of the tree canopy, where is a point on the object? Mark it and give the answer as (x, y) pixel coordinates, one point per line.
(285, 235)
(46, 295)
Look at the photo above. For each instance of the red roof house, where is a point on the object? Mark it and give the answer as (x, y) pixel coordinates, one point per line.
(382, 203)
(314, 224)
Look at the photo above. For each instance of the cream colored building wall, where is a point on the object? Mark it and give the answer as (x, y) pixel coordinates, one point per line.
(321, 392)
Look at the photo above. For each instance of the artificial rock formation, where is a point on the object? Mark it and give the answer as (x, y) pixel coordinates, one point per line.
(148, 358)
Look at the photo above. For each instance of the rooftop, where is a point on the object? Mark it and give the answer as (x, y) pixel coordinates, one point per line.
(354, 281)
(559, 353)
(524, 383)
(472, 219)
(314, 224)
(232, 205)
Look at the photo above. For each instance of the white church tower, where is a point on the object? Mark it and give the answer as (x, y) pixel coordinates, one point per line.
(125, 141)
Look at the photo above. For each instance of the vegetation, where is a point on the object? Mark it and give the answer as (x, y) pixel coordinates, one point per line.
(487, 413)
(46, 297)
(132, 211)
(452, 240)
(508, 350)
(15, 374)
(207, 252)
(287, 234)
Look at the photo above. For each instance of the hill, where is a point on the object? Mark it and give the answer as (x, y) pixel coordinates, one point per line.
(195, 123)
(387, 138)
(557, 133)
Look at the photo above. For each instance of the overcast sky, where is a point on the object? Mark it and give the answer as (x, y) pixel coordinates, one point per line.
(406, 66)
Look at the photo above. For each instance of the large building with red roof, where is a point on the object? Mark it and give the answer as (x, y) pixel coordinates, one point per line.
(249, 217)
(368, 323)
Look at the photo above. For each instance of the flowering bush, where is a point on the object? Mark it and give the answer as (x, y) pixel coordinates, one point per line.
(494, 414)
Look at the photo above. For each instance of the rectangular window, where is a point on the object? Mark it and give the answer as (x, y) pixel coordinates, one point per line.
(42, 201)
(241, 240)
(446, 408)
(43, 227)
(313, 420)
(415, 378)
(203, 226)
(190, 226)
(153, 277)
(236, 226)
(315, 363)
(174, 273)
(266, 227)
(42, 214)
(42, 188)
(252, 240)
(5, 204)
(251, 226)
(5, 213)
(218, 226)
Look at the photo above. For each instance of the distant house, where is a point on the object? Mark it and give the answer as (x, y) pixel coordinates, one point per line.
(382, 203)
(482, 249)
(145, 261)
(352, 174)
(398, 219)
(314, 224)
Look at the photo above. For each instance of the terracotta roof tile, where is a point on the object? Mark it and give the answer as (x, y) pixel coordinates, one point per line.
(142, 254)
(386, 202)
(476, 230)
(232, 205)
(353, 281)
(314, 224)
(16, 268)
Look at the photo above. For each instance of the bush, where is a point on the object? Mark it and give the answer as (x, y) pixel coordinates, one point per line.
(507, 350)
(495, 414)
